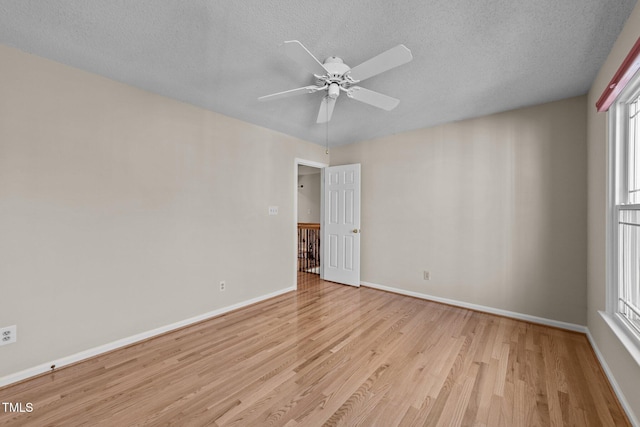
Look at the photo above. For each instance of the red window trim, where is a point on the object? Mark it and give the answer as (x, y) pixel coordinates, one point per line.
(629, 67)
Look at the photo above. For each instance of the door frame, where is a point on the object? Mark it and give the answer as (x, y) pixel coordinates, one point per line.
(320, 165)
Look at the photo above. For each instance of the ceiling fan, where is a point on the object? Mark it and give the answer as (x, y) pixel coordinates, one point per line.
(334, 76)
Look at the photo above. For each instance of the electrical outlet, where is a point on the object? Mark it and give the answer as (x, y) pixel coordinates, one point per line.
(426, 275)
(223, 286)
(8, 335)
(273, 210)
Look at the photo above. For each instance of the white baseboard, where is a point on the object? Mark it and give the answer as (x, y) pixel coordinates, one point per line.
(46, 367)
(613, 382)
(512, 314)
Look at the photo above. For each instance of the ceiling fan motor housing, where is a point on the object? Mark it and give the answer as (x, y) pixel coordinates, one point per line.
(336, 69)
(335, 77)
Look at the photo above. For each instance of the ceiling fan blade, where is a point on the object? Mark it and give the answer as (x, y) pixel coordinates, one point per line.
(326, 109)
(372, 98)
(288, 93)
(296, 51)
(392, 58)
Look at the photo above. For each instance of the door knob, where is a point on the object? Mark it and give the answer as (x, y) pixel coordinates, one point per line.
(355, 230)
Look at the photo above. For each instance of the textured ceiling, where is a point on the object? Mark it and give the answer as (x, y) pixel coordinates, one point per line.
(471, 57)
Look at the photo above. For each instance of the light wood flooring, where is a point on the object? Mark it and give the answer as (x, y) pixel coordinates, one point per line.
(330, 355)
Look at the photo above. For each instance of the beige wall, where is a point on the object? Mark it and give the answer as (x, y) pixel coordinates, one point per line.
(309, 198)
(120, 210)
(493, 207)
(621, 364)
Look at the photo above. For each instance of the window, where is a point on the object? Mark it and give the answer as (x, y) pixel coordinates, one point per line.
(623, 303)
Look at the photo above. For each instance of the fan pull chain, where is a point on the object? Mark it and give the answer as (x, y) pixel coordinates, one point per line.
(327, 128)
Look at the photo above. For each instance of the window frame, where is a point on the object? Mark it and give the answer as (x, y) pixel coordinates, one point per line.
(617, 195)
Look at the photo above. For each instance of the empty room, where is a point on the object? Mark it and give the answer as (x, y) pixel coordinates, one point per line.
(335, 213)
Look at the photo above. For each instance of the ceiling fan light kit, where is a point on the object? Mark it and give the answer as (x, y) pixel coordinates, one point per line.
(334, 76)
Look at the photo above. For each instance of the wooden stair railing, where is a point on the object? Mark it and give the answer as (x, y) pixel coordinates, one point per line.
(309, 247)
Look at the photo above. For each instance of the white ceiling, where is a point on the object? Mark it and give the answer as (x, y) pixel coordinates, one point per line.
(471, 57)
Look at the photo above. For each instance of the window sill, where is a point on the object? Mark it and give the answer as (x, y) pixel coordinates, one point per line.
(626, 337)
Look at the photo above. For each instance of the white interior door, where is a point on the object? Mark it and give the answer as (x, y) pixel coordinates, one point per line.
(341, 224)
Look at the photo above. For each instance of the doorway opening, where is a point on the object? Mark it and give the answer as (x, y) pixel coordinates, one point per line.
(308, 219)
